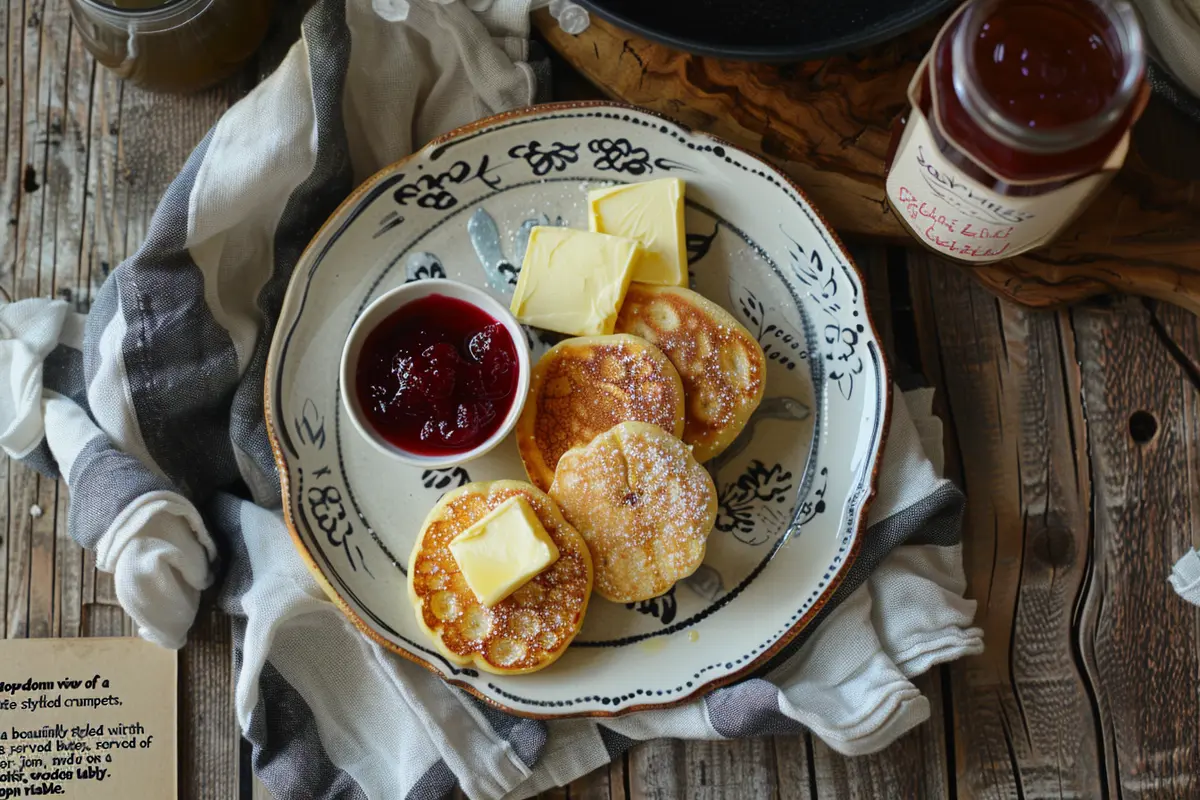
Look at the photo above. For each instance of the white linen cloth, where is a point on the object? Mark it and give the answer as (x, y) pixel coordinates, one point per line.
(1186, 577)
(1173, 28)
(151, 409)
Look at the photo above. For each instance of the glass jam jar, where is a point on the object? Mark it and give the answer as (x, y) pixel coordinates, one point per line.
(1020, 116)
(172, 45)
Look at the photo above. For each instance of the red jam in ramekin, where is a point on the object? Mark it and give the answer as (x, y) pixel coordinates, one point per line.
(438, 376)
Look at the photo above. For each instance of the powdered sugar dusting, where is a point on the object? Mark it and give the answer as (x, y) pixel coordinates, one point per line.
(644, 505)
(722, 366)
(583, 387)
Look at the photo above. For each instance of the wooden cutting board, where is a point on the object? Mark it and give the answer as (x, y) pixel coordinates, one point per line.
(827, 124)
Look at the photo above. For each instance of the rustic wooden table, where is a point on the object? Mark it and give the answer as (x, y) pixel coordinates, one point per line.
(1074, 433)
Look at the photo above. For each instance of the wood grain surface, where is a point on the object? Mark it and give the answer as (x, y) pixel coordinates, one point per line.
(1023, 712)
(1088, 688)
(1073, 432)
(827, 123)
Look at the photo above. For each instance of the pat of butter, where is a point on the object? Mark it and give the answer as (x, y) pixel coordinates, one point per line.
(502, 551)
(573, 281)
(652, 213)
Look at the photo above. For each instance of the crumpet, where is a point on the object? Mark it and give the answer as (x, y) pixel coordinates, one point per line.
(582, 387)
(524, 632)
(644, 505)
(722, 366)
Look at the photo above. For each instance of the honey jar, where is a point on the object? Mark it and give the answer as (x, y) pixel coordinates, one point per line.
(172, 45)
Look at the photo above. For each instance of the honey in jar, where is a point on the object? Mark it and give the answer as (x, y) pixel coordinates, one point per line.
(172, 45)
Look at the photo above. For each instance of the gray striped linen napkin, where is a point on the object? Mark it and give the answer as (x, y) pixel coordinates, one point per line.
(151, 408)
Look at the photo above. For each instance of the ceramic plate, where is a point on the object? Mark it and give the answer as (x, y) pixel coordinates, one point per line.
(793, 489)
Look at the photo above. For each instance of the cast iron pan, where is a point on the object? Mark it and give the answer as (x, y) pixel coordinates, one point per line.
(767, 30)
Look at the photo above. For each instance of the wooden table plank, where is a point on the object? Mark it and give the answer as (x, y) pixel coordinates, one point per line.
(24, 56)
(51, 180)
(1138, 639)
(1024, 719)
(101, 240)
(207, 723)
(1098, 703)
(1180, 335)
(704, 770)
(795, 771)
(606, 783)
(656, 770)
(67, 175)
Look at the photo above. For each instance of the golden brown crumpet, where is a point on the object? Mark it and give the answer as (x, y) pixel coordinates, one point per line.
(644, 505)
(526, 631)
(582, 387)
(722, 366)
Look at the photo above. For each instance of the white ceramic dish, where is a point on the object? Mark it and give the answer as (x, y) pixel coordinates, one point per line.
(392, 301)
(793, 489)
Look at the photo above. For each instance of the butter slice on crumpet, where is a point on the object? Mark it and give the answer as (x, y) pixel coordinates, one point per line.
(573, 281)
(502, 551)
(652, 213)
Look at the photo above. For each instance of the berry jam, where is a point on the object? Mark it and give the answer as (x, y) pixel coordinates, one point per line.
(437, 376)
(1047, 64)
(1020, 117)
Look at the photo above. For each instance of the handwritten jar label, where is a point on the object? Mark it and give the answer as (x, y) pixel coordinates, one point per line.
(956, 215)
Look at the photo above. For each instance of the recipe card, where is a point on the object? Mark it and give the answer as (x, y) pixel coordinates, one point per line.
(92, 719)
